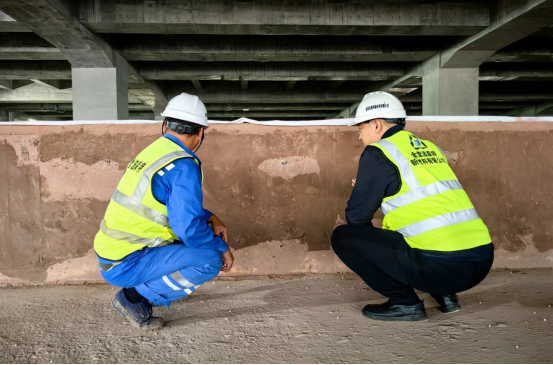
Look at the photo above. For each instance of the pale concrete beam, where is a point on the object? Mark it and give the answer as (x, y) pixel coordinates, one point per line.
(159, 107)
(55, 84)
(347, 112)
(42, 70)
(270, 71)
(211, 107)
(530, 49)
(6, 84)
(277, 48)
(27, 46)
(42, 107)
(243, 83)
(301, 71)
(230, 92)
(311, 17)
(501, 93)
(20, 83)
(290, 85)
(274, 107)
(289, 49)
(512, 21)
(9, 25)
(156, 98)
(503, 71)
(56, 22)
(197, 84)
(273, 114)
(33, 93)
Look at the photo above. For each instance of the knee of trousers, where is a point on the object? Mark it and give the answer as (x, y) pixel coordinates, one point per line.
(337, 238)
(213, 265)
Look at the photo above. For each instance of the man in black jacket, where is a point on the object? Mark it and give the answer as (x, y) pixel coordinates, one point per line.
(432, 238)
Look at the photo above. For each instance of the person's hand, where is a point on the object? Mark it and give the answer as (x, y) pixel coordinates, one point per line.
(353, 182)
(219, 229)
(228, 260)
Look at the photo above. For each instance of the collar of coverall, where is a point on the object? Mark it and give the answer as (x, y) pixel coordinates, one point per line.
(180, 144)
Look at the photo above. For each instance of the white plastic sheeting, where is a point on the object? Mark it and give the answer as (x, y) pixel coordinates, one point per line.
(304, 123)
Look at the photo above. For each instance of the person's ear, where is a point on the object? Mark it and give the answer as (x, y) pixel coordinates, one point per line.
(164, 126)
(201, 133)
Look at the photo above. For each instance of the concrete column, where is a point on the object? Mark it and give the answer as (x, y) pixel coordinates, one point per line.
(101, 93)
(450, 91)
(159, 107)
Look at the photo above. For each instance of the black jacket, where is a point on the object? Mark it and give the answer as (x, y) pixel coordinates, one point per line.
(377, 178)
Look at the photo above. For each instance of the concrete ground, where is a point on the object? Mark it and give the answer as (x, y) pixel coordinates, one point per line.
(506, 319)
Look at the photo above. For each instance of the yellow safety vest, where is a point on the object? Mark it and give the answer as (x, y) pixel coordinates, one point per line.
(134, 218)
(431, 209)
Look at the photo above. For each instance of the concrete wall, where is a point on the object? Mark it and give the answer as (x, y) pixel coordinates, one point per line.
(55, 183)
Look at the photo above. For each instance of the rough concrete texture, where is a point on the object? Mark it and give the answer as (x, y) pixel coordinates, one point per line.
(506, 319)
(280, 190)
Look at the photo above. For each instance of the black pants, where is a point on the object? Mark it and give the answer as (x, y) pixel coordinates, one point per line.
(392, 268)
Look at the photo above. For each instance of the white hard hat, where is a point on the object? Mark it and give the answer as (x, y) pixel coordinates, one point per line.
(188, 108)
(377, 105)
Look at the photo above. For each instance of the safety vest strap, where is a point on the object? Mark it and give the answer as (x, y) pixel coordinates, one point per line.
(424, 192)
(144, 183)
(438, 222)
(131, 238)
(404, 167)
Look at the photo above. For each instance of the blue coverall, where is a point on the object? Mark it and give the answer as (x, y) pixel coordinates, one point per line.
(196, 256)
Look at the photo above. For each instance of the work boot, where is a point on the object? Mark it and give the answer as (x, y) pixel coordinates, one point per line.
(395, 312)
(448, 303)
(139, 314)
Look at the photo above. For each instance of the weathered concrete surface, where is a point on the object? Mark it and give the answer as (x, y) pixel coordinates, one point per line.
(280, 190)
(505, 319)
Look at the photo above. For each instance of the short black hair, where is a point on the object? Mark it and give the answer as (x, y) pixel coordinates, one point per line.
(189, 127)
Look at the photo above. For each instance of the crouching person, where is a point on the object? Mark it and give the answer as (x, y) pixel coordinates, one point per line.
(432, 238)
(156, 239)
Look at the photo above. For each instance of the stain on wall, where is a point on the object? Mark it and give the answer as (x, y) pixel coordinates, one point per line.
(21, 231)
(280, 191)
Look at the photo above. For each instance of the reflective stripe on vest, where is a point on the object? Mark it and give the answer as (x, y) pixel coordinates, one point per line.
(139, 208)
(408, 175)
(419, 192)
(414, 195)
(131, 238)
(438, 222)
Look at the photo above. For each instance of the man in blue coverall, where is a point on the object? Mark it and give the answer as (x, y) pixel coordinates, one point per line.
(156, 240)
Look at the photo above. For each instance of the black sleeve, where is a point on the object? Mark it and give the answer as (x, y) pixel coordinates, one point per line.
(370, 187)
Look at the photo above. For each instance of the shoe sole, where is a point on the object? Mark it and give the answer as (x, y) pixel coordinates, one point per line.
(409, 318)
(121, 309)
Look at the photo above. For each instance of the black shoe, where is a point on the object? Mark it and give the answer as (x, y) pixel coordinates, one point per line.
(448, 303)
(395, 312)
